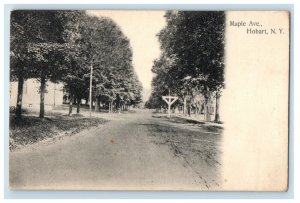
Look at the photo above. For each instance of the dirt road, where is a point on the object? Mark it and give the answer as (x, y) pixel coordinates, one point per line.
(135, 151)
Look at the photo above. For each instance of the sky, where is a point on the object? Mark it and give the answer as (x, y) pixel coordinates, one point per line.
(141, 28)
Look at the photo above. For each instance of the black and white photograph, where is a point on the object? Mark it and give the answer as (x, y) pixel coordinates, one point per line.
(148, 100)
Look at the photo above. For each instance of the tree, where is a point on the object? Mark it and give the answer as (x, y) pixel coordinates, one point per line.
(46, 60)
(63, 45)
(111, 56)
(76, 78)
(38, 44)
(21, 22)
(194, 43)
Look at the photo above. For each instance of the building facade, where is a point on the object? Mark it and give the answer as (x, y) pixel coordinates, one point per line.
(31, 94)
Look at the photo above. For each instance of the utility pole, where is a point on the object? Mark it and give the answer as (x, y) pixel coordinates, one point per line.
(91, 83)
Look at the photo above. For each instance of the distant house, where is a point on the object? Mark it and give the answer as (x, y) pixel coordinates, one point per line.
(31, 94)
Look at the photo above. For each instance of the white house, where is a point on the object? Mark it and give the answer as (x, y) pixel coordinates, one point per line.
(31, 94)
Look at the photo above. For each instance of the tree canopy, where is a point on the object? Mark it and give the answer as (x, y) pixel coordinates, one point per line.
(192, 59)
(63, 45)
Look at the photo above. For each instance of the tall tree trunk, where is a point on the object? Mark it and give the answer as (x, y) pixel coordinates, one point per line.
(207, 106)
(71, 105)
(97, 104)
(189, 109)
(19, 97)
(196, 109)
(217, 115)
(184, 106)
(42, 96)
(78, 105)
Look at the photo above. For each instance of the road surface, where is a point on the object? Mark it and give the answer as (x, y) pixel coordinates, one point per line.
(138, 151)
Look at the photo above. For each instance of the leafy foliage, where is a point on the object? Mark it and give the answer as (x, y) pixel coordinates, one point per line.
(193, 55)
(63, 45)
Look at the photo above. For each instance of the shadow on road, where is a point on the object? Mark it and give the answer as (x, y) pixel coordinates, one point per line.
(195, 143)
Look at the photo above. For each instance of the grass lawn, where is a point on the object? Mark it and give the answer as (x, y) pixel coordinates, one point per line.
(30, 129)
(209, 126)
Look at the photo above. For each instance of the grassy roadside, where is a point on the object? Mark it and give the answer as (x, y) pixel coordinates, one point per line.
(196, 143)
(209, 126)
(31, 129)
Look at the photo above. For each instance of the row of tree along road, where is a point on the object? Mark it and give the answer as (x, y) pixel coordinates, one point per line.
(191, 65)
(63, 46)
